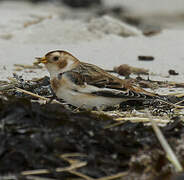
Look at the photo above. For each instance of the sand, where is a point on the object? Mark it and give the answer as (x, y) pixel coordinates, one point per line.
(28, 31)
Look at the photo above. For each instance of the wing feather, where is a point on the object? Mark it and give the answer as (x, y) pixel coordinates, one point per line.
(107, 84)
(93, 75)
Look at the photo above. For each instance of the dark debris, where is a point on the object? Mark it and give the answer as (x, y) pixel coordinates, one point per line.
(173, 72)
(41, 86)
(145, 58)
(33, 136)
(81, 3)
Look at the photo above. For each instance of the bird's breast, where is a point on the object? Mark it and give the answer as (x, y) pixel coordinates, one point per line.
(55, 84)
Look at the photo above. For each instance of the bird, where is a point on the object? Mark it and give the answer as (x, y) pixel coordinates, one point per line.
(86, 85)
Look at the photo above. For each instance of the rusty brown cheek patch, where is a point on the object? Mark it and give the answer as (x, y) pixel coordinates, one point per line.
(62, 64)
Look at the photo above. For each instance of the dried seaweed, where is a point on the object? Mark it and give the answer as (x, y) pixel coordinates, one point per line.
(44, 140)
(35, 136)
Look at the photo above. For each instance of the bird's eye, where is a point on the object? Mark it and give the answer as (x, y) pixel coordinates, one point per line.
(55, 58)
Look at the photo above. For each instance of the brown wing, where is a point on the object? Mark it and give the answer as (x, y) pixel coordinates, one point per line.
(96, 76)
(93, 75)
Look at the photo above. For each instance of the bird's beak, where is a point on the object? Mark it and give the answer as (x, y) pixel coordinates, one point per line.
(41, 60)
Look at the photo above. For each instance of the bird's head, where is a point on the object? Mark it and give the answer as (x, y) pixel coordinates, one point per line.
(58, 62)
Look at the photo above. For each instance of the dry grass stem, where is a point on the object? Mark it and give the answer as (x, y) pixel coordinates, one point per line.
(141, 119)
(24, 66)
(170, 154)
(8, 177)
(46, 171)
(68, 156)
(115, 176)
(171, 104)
(36, 95)
(179, 102)
(81, 175)
(38, 178)
(179, 95)
(6, 87)
(135, 120)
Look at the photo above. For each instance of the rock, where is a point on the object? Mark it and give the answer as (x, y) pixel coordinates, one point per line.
(81, 3)
(110, 25)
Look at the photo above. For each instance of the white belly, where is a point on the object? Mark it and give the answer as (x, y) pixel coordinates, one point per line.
(80, 96)
(84, 100)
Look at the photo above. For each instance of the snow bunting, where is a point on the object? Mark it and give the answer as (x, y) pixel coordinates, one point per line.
(86, 85)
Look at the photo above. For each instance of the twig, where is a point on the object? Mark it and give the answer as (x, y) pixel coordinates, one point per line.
(36, 95)
(32, 94)
(81, 175)
(179, 102)
(134, 119)
(180, 95)
(38, 178)
(25, 66)
(76, 109)
(68, 157)
(171, 104)
(8, 177)
(46, 171)
(118, 175)
(170, 154)
(176, 94)
(140, 119)
(7, 87)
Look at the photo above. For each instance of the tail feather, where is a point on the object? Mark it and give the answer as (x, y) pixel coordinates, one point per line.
(129, 95)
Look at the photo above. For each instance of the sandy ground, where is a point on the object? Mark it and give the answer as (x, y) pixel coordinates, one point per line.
(28, 31)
